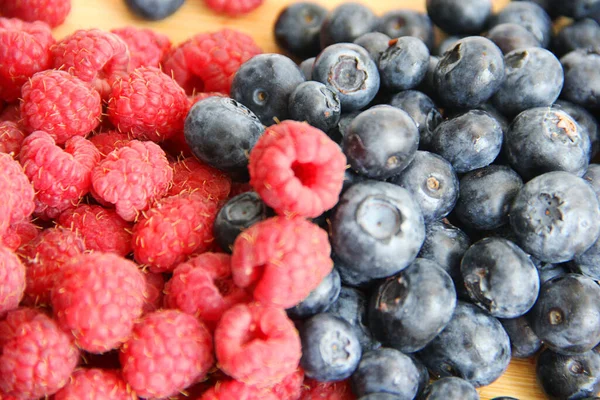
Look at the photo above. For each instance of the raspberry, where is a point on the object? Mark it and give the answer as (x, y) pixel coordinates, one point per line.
(59, 104)
(93, 56)
(174, 228)
(290, 388)
(153, 295)
(11, 138)
(101, 229)
(19, 234)
(12, 280)
(97, 298)
(24, 50)
(132, 177)
(203, 287)
(37, 357)
(148, 104)
(60, 177)
(257, 344)
(106, 142)
(193, 176)
(235, 390)
(233, 8)
(12, 113)
(52, 12)
(297, 169)
(315, 390)
(16, 193)
(166, 340)
(95, 384)
(281, 260)
(208, 61)
(146, 47)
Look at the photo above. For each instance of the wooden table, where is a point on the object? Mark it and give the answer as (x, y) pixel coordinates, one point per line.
(519, 381)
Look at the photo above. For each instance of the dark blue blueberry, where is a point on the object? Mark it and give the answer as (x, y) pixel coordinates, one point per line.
(298, 29)
(379, 396)
(346, 23)
(446, 44)
(422, 110)
(509, 37)
(450, 388)
(316, 104)
(404, 64)
(433, 184)
(319, 299)
(486, 195)
(409, 309)
(306, 67)
(545, 4)
(264, 84)
(470, 141)
(530, 16)
(154, 10)
(377, 229)
(474, 346)
(582, 77)
(576, 8)
(399, 23)
(546, 139)
(548, 271)
(524, 342)
(330, 348)
(350, 72)
(585, 120)
(386, 370)
(375, 43)
(428, 84)
(460, 16)
(469, 73)
(221, 132)
(588, 263)
(381, 142)
(578, 35)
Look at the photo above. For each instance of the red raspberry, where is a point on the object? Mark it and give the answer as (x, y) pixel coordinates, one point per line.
(106, 142)
(37, 357)
(132, 177)
(233, 8)
(153, 295)
(16, 193)
(193, 176)
(315, 390)
(24, 50)
(208, 61)
(93, 56)
(101, 229)
(257, 344)
(52, 12)
(166, 341)
(297, 169)
(95, 383)
(203, 287)
(146, 47)
(281, 259)
(59, 104)
(60, 177)
(173, 229)
(97, 297)
(235, 390)
(11, 138)
(12, 280)
(12, 113)
(291, 387)
(19, 234)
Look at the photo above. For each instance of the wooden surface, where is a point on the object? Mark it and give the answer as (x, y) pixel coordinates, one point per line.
(519, 381)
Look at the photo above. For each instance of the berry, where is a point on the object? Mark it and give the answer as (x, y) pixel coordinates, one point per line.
(153, 10)
(404, 64)
(12, 113)
(298, 28)
(307, 66)
(577, 35)
(95, 384)
(11, 138)
(569, 377)
(524, 343)
(511, 36)
(12, 280)
(459, 16)
(108, 141)
(376, 43)
(282, 260)
(59, 104)
(235, 390)
(97, 297)
(291, 387)
(451, 388)
(257, 344)
(404, 22)
(316, 104)
(585, 120)
(319, 299)
(16, 193)
(233, 8)
(577, 9)
(147, 48)
(529, 15)
(52, 12)
(315, 390)
(582, 77)
(297, 169)
(166, 340)
(346, 23)
(192, 176)
(19, 234)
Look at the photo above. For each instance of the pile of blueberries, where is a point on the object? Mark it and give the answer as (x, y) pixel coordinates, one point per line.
(467, 230)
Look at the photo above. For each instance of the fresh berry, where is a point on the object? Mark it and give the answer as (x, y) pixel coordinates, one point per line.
(347, 22)
(405, 22)
(376, 43)
(257, 344)
(297, 170)
(147, 104)
(146, 47)
(577, 35)
(233, 8)
(236, 390)
(460, 16)
(298, 28)
(52, 12)
(12, 280)
(95, 384)
(108, 141)
(451, 388)
(582, 77)
(19, 234)
(154, 292)
(167, 340)
(319, 299)
(97, 297)
(511, 36)
(529, 15)
(315, 390)
(404, 64)
(16, 193)
(585, 120)
(12, 112)
(307, 66)
(193, 176)
(153, 10)
(524, 343)
(132, 177)
(11, 138)
(316, 104)
(290, 388)
(281, 260)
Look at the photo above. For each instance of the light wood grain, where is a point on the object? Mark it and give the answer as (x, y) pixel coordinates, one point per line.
(519, 381)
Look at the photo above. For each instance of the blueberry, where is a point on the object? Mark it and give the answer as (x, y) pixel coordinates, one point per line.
(569, 377)
(524, 342)
(474, 346)
(221, 132)
(404, 64)
(447, 44)
(486, 195)
(422, 110)
(350, 72)
(545, 4)
(386, 370)
(154, 10)
(470, 141)
(381, 142)
(582, 77)
(576, 8)
(306, 67)
(469, 73)
(428, 84)
(549, 271)
(298, 29)
(546, 139)
(555, 217)
(264, 84)
(346, 23)
(529, 15)
(460, 16)
(316, 104)
(450, 388)
(409, 309)
(377, 229)
(588, 263)
(399, 23)
(433, 184)
(375, 43)
(319, 299)
(510, 36)
(578, 35)
(585, 120)
(330, 348)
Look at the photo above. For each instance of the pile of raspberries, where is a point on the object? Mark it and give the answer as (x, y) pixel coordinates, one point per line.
(111, 282)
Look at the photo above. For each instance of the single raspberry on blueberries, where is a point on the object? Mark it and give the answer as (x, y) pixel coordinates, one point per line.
(146, 47)
(281, 259)
(154, 292)
(12, 280)
(16, 193)
(193, 176)
(315, 390)
(297, 169)
(257, 344)
(52, 12)
(236, 390)
(108, 141)
(95, 384)
(97, 297)
(233, 8)
(19, 234)
(166, 340)
(11, 138)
